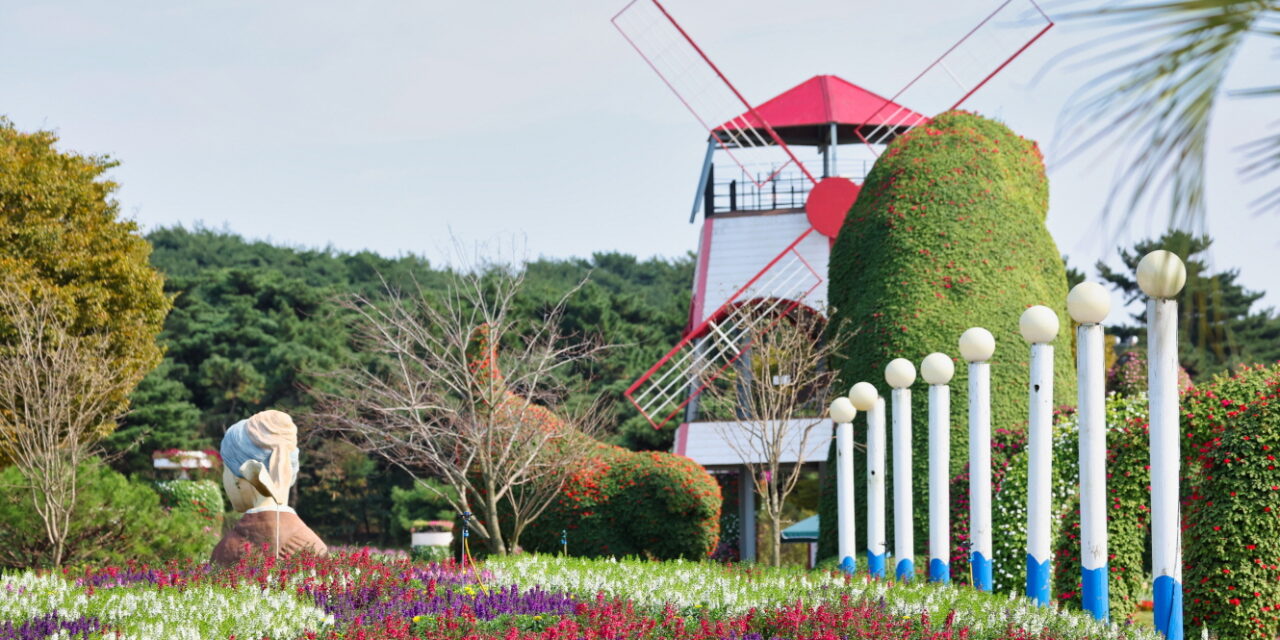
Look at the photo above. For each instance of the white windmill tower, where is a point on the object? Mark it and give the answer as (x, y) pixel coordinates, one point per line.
(767, 230)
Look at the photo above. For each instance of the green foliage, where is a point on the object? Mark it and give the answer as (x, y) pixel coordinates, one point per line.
(1128, 455)
(948, 233)
(425, 553)
(61, 236)
(623, 503)
(201, 496)
(1232, 518)
(115, 521)
(346, 493)
(427, 499)
(1218, 327)
(163, 417)
(254, 322)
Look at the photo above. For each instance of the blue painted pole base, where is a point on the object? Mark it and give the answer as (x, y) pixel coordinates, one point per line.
(906, 570)
(981, 568)
(1038, 580)
(939, 571)
(875, 564)
(848, 565)
(1168, 607)
(1093, 592)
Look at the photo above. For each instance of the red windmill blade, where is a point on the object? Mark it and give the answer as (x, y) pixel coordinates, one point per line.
(720, 338)
(698, 82)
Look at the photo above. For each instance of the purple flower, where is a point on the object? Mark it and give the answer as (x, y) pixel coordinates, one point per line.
(48, 625)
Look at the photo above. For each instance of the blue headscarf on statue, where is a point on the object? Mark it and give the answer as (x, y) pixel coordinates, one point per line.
(269, 437)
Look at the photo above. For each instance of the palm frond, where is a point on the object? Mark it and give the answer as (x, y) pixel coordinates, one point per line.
(1153, 106)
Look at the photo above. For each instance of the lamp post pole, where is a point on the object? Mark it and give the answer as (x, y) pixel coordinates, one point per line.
(900, 374)
(843, 413)
(1161, 276)
(937, 369)
(865, 398)
(876, 545)
(977, 345)
(1088, 304)
(1039, 326)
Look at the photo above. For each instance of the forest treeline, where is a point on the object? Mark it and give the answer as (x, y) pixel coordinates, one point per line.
(254, 324)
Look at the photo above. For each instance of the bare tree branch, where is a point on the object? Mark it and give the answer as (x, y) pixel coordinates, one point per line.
(55, 402)
(773, 401)
(462, 388)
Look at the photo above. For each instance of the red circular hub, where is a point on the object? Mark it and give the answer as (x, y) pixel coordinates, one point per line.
(828, 203)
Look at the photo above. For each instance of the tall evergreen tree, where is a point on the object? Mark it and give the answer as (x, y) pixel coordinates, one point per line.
(1218, 326)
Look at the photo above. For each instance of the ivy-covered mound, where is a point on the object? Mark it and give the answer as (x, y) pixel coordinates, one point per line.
(948, 233)
(1231, 515)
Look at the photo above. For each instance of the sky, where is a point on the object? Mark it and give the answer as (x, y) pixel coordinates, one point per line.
(396, 126)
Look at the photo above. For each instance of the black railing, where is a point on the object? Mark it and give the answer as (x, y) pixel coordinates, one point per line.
(756, 192)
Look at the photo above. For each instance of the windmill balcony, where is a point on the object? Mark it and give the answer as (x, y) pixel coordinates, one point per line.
(731, 189)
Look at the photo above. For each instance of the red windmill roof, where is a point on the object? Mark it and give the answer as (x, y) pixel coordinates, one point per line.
(822, 100)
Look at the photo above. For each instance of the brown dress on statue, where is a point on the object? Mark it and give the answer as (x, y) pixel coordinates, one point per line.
(257, 529)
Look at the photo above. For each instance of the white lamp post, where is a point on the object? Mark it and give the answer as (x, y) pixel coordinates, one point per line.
(1088, 303)
(843, 413)
(937, 369)
(863, 395)
(876, 545)
(900, 374)
(1161, 275)
(977, 345)
(1039, 326)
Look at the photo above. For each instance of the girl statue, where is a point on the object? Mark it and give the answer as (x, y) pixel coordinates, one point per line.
(260, 462)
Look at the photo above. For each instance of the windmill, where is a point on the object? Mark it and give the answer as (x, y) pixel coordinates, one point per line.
(754, 271)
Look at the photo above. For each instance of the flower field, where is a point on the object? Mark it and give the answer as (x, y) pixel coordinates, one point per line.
(357, 595)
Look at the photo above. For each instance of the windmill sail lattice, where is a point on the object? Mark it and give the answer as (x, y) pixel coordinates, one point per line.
(960, 71)
(698, 83)
(720, 339)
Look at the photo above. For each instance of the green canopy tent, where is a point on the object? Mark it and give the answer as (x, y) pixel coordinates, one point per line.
(804, 531)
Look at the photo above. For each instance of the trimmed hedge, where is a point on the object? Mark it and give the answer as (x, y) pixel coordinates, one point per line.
(1232, 504)
(948, 233)
(623, 503)
(200, 496)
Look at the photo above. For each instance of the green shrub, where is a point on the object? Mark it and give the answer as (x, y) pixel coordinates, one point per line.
(948, 233)
(191, 495)
(1128, 454)
(425, 500)
(115, 520)
(424, 553)
(1232, 494)
(624, 503)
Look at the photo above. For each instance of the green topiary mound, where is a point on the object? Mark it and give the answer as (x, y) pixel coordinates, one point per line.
(623, 503)
(948, 233)
(1232, 514)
